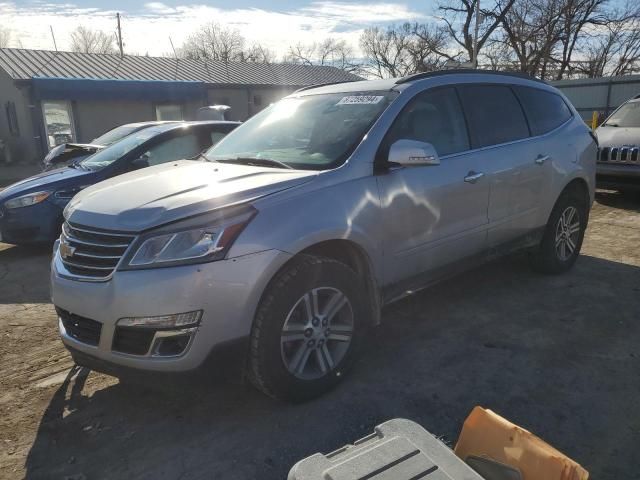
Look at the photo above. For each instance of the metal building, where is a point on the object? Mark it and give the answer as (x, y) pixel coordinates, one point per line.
(602, 95)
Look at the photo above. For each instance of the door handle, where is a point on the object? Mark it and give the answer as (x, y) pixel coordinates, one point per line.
(540, 159)
(473, 177)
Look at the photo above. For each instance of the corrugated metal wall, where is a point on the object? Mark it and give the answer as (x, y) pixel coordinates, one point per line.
(599, 94)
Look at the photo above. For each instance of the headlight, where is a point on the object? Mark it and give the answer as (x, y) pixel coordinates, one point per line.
(195, 245)
(26, 200)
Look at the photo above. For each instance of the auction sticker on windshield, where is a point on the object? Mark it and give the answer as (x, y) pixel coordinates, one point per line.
(360, 100)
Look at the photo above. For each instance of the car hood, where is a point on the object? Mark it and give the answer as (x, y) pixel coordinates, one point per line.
(618, 136)
(43, 181)
(162, 194)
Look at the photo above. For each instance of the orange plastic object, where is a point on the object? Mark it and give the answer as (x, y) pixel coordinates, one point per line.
(486, 434)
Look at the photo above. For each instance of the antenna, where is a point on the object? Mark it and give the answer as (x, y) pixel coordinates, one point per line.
(119, 36)
(54, 38)
(173, 48)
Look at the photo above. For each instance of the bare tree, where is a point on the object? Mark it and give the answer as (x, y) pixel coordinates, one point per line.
(429, 48)
(532, 29)
(402, 50)
(258, 54)
(330, 52)
(214, 42)
(459, 19)
(576, 16)
(614, 51)
(5, 37)
(387, 51)
(86, 40)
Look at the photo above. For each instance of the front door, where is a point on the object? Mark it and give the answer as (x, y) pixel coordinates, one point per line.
(432, 215)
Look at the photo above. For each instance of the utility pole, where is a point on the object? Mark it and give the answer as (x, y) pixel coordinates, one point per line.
(474, 60)
(119, 36)
(54, 38)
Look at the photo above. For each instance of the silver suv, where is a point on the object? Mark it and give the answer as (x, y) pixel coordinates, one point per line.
(310, 217)
(619, 154)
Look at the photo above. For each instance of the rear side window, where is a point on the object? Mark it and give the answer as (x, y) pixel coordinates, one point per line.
(545, 110)
(494, 114)
(435, 117)
(176, 148)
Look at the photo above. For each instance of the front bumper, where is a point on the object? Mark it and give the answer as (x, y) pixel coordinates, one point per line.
(226, 291)
(617, 176)
(35, 224)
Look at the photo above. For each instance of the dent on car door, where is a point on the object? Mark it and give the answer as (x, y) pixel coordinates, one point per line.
(432, 215)
(500, 133)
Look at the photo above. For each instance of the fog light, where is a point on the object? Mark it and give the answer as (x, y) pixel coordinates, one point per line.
(172, 346)
(178, 320)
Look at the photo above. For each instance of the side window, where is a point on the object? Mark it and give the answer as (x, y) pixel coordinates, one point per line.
(175, 148)
(169, 111)
(216, 136)
(12, 118)
(435, 117)
(545, 110)
(494, 114)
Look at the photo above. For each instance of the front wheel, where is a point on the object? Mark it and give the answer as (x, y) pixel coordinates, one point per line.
(307, 329)
(563, 235)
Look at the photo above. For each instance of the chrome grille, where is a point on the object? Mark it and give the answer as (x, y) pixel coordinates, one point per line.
(627, 154)
(90, 253)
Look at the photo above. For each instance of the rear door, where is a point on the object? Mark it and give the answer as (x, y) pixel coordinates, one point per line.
(500, 137)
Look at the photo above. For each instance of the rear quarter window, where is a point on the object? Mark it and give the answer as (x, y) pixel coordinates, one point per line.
(545, 110)
(494, 114)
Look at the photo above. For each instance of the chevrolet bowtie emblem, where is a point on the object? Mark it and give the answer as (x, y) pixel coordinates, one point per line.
(66, 250)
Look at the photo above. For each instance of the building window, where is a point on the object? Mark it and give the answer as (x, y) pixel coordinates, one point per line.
(12, 119)
(169, 111)
(58, 122)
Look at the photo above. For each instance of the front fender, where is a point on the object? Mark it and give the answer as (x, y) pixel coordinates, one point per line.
(345, 211)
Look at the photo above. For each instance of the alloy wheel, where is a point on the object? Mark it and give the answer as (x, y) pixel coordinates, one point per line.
(567, 233)
(317, 333)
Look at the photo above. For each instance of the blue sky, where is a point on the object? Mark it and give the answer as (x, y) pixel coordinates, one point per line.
(147, 25)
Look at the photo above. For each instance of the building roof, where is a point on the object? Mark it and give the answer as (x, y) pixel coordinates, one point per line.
(22, 64)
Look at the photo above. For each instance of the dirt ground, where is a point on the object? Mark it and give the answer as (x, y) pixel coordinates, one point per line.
(557, 355)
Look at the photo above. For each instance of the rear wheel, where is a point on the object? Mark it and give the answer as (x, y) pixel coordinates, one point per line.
(563, 236)
(307, 329)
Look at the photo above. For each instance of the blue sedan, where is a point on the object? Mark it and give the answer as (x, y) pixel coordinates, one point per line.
(31, 210)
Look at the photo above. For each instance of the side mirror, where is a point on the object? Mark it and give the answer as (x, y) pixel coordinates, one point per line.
(141, 162)
(411, 153)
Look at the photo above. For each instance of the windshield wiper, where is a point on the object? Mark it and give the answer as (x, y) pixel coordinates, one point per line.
(255, 161)
(611, 125)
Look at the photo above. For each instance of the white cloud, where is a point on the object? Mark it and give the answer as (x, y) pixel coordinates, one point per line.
(149, 31)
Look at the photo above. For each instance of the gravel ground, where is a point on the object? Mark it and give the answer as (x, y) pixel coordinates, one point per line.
(557, 355)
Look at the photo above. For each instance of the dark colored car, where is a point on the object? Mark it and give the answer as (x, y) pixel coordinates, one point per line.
(31, 210)
(65, 153)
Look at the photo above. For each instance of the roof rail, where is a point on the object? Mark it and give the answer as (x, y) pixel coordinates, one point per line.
(308, 87)
(457, 71)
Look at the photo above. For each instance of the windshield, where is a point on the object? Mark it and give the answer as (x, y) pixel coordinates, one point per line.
(116, 134)
(628, 115)
(315, 132)
(117, 150)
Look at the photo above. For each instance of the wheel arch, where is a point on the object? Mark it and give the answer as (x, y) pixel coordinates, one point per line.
(351, 254)
(580, 186)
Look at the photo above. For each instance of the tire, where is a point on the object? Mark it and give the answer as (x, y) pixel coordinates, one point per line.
(297, 354)
(556, 254)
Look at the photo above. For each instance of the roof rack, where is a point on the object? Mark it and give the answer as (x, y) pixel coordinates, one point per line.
(457, 71)
(308, 87)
